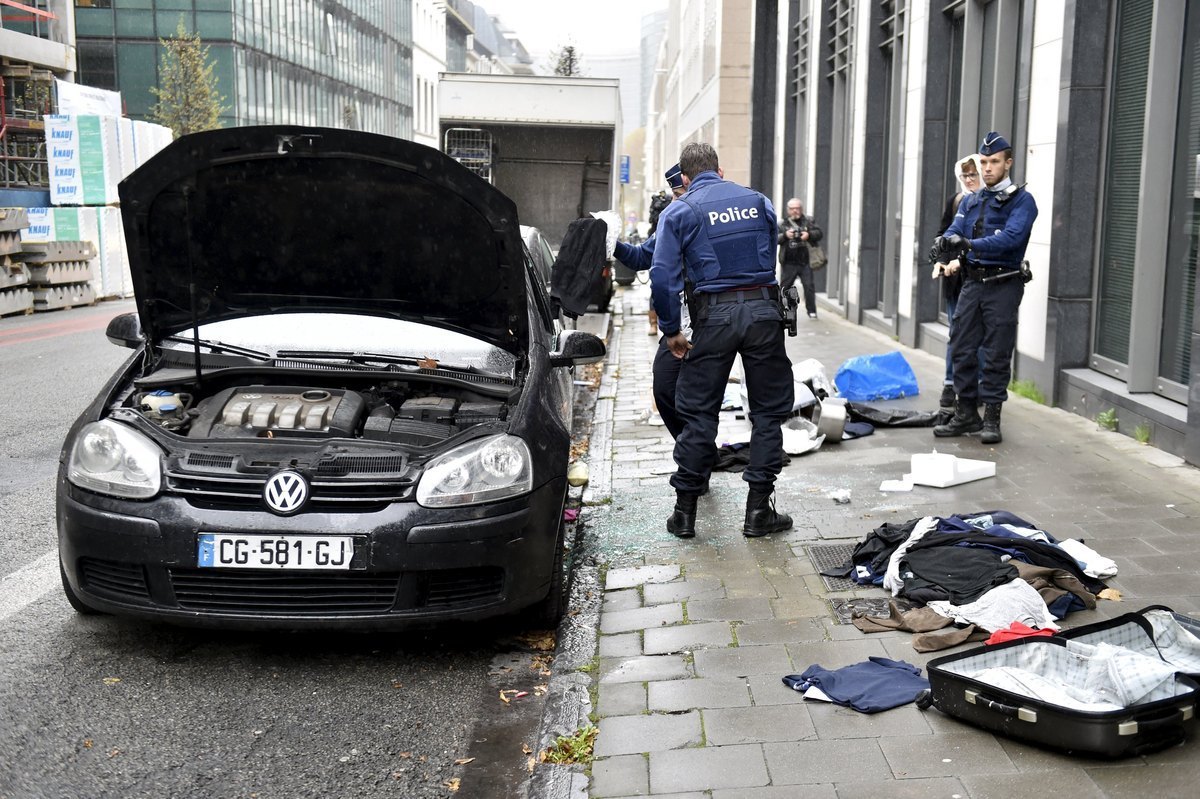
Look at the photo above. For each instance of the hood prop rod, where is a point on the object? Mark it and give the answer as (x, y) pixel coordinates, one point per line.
(191, 259)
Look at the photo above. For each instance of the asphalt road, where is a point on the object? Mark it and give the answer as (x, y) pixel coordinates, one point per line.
(104, 707)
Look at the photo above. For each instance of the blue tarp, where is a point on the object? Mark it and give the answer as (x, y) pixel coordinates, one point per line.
(876, 377)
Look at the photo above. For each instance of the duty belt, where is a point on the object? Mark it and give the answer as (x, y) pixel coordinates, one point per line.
(988, 273)
(740, 295)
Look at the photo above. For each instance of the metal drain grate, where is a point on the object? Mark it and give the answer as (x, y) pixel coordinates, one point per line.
(845, 609)
(830, 556)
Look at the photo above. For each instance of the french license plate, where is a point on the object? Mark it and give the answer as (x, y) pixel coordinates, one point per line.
(234, 551)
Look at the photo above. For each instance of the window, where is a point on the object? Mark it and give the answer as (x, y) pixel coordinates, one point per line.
(98, 64)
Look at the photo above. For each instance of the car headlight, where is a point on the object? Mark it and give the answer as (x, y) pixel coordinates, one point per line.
(483, 470)
(109, 458)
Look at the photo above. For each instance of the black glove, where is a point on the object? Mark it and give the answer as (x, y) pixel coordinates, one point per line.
(957, 246)
(938, 249)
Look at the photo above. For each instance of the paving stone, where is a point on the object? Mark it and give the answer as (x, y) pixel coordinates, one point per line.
(648, 732)
(835, 654)
(748, 725)
(833, 721)
(639, 575)
(768, 689)
(623, 645)
(689, 795)
(643, 669)
(621, 699)
(946, 756)
(781, 792)
(780, 631)
(707, 768)
(1033, 783)
(691, 588)
(686, 637)
(826, 761)
(619, 621)
(625, 775)
(625, 599)
(742, 661)
(729, 609)
(919, 789)
(699, 692)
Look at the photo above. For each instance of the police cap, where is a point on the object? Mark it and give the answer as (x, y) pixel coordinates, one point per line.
(994, 143)
(674, 177)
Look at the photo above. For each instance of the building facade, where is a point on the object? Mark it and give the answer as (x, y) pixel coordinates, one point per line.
(337, 63)
(429, 59)
(862, 107)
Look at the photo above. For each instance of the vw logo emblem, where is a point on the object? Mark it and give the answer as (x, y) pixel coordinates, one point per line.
(285, 493)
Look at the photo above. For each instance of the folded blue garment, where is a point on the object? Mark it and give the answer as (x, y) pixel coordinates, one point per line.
(869, 687)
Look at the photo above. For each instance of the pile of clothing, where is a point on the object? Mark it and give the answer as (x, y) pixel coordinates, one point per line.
(987, 575)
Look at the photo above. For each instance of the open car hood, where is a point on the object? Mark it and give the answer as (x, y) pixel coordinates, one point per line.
(279, 219)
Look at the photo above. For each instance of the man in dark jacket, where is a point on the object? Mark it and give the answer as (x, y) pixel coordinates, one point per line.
(796, 232)
(725, 235)
(988, 236)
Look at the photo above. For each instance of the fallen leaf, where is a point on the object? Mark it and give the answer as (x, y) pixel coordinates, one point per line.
(397, 684)
(1110, 593)
(405, 755)
(111, 680)
(87, 743)
(507, 694)
(114, 752)
(452, 783)
(422, 758)
(538, 690)
(529, 764)
(398, 775)
(541, 640)
(526, 750)
(462, 761)
(427, 363)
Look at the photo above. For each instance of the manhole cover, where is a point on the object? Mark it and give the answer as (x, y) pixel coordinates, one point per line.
(828, 557)
(846, 609)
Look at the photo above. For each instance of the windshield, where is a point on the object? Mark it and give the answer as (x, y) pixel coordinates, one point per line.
(353, 333)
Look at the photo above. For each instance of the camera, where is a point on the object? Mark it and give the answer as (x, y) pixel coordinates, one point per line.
(789, 300)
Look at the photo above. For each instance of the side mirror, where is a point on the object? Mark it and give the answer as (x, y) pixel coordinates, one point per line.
(576, 347)
(125, 330)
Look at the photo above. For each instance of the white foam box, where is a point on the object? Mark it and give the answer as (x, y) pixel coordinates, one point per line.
(126, 145)
(942, 470)
(62, 157)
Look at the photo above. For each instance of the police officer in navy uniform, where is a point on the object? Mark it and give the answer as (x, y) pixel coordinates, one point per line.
(666, 365)
(725, 235)
(988, 236)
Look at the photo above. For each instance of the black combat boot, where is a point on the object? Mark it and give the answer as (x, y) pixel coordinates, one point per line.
(947, 400)
(991, 424)
(761, 516)
(682, 522)
(966, 420)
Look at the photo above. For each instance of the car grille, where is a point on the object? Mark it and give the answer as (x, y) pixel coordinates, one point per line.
(235, 490)
(116, 580)
(291, 594)
(463, 586)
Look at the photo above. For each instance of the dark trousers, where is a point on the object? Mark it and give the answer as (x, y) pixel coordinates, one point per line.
(789, 272)
(753, 329)
(666, 375)
(986, 317)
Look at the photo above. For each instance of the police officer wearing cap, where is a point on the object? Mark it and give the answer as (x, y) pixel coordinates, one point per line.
(666, 365)
(988, 236)
(725, 235)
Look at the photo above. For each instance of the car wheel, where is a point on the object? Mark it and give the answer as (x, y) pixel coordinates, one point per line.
(548, 612)
(73, 598)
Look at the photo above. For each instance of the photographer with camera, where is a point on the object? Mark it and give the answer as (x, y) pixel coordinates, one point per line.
(988, 236)
(797, 233)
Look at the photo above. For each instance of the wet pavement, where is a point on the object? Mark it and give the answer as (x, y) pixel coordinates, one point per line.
(693, 637)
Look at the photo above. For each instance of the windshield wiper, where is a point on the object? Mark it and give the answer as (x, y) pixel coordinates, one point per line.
(219, 347)
(375, 358)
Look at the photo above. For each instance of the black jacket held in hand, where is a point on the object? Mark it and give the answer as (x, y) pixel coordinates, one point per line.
(799, 253)
(579, 266)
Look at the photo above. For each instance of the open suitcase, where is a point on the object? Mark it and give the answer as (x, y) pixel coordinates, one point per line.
(1029, 689)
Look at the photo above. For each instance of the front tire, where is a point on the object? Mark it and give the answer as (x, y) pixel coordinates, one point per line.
(548, 612)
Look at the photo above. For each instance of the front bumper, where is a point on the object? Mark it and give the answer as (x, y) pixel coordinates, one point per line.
(412, 565)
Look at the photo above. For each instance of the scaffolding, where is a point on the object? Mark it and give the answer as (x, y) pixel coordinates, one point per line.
(26, 94)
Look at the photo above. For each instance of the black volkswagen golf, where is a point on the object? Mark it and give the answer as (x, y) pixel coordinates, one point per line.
(347, 404)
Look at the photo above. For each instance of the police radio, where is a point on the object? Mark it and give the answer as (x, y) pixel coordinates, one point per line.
(789, 300)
